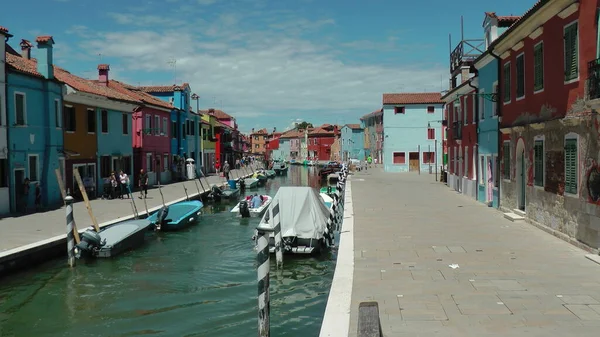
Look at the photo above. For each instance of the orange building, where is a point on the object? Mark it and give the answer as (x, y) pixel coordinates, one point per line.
(258, 140)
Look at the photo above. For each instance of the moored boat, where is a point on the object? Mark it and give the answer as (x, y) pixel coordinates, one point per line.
(112, 240)
(329, 190)
(249, 183)
(270, 173)
(245, 210)
(327, 200)
(176, 216)
(216, 193)
(260, 176)
(280, 167)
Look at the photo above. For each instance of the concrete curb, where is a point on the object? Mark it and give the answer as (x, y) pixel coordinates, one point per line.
(336, 321)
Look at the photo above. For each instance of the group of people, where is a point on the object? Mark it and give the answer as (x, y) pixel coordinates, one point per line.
(23, 197)
(120, 185)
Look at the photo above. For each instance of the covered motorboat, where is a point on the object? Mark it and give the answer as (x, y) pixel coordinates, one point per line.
(270, 173)
(216, 193)
(303, 217)
(112, 240)
(176, 216)
(280, 167)
(245, 210)
(248, 183)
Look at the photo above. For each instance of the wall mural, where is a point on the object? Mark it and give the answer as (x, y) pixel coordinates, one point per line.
(593, 181)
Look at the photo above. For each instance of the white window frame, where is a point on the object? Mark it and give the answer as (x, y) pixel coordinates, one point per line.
(107, 122)
(474, 157)
(150, 156)
(543, 139)
(482, 165)
(63, 111)
(517, 77)
(165, 162)
(87, 122)
(148, 123)
(482, 105)
(572, 135)
(37, 168)
(24, 108)
(164, 125)
(466, 163)
(578, 68)
(543, 65)
(157, 125)
(57, 113)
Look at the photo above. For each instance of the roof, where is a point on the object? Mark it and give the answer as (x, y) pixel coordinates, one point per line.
(3, 30)
(164, 88)
(354, 126)
(503, 21)
(91, 87)
(413, 98)
(260, 132)
(44, 39)
(219, 114)
(292, 134)
(539, 4)
(139, 95)
(22, 65)
(371, 114)
(325, 129)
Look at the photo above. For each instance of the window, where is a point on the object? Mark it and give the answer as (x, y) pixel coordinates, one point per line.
(33, 167)
(104, 121)
(495, 103)
(105, 162)
(398, 109)
(204, 134)
(571, 166)
(538, 67)
(538, 163)
(506, 91)
(173, 129)
(165, 162)
(482, 169)
(156, 125)
(125, 124)
(20, 109)
(149, 167)
(148, 124)
(495, 173)
(126, 165)
(430, 109)
(57, 113)
(465, 111)
(520, 65)
(91, 121)
(164, 127)
(158, 166)
(3, 172)
(399, 158)
(466, 162)
(506, 160)
(69, 117)
(571, 38)
(482, 105)
(428, 158)
(430, 133)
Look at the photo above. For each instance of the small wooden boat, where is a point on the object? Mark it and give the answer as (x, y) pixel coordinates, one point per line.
(216, 193)
(262, 177)
(113, 240)
(249, 183)
(270, 173)
(244, 208)
(280, 168)
(176, 216)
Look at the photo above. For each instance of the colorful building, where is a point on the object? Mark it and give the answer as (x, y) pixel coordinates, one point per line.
(259, 141)
(35, 136)
(320, 140)
(352, 142)
(373, 125)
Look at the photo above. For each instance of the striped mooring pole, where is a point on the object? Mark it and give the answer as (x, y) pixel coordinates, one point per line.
(263, 266)
(70, 236)
(278, 238)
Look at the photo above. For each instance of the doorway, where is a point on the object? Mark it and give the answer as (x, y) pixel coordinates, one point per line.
(413, 161)
(19, 177)
(521, 174)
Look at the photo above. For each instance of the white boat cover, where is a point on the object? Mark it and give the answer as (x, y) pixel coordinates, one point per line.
(302, 212)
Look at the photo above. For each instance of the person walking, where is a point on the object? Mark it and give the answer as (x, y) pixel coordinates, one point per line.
(369, 160)
(38, 197)
(24, 197)
(124, 180)
(114, 185)
(143, 184)
(226, 170)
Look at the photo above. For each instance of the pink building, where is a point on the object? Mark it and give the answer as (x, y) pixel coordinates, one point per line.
(151, 134)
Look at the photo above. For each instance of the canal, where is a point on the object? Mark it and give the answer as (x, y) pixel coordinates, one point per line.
(197, 282)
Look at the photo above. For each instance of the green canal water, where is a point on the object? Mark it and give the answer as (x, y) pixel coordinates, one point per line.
(197, 282)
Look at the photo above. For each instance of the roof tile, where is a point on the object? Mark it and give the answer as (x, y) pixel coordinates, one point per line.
(354, 126)
(219, 114)
(413, 98)
(44, 39)
(139, 95)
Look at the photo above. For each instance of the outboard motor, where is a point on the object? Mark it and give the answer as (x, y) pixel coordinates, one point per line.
(242, 184)
(244, 209)
(90, 244)
(161, 216)
(216, 193)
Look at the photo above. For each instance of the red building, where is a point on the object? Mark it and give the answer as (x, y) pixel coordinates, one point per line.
(320, 140)
(272, 143)
(549, 89)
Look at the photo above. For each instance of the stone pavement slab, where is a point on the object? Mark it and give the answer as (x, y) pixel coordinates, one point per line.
(440, 264)
(18, 231)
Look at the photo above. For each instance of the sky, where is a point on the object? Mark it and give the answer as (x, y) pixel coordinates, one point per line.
(267, 63)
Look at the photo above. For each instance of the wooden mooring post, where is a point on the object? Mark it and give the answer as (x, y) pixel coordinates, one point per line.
(263, 271)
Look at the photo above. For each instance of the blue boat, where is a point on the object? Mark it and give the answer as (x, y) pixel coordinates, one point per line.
(176, 216)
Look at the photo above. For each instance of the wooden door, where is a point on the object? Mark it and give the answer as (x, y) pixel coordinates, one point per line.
(413, 161)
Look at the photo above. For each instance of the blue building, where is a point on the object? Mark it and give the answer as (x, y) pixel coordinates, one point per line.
(412, 127)
(353, 139)
(283, 152)
(35, 136)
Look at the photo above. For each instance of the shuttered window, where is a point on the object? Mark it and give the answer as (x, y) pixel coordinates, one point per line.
(538, 67)
(506, 160)
(571, 166)
(506, 91)
(538, 163)
(520, 65)
(571, 38)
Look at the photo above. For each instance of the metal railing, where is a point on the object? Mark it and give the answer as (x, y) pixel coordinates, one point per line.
(593, 80)
(466, 51)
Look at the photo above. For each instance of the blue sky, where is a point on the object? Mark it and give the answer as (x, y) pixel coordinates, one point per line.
(265, 62)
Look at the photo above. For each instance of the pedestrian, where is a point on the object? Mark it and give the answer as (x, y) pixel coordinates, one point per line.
(226, 170)
(114, 185)
(25, 195)
(237, 164)
(143, 184)
(217, 166)
(124, 180)
(38, 197)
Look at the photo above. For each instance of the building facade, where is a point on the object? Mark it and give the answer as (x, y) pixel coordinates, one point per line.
(320, 140)
(412, 127)
(352, 142)
(5, 197)
(259, 141)
(373, 125)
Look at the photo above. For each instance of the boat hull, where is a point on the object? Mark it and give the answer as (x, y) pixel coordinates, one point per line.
(180, 215)
(119, 238)
(255, 212)
(300, 246)
(231, 194)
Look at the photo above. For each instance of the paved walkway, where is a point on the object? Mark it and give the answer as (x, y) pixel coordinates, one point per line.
(23, 230)
(511, 279)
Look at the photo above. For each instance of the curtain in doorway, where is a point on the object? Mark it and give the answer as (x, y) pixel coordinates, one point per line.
(490, 181)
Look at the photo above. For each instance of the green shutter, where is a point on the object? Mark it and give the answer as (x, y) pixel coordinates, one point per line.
(571, 52)
(571, 166)
(538, 67)
(506, 158)
(538, 163)
(507, 82)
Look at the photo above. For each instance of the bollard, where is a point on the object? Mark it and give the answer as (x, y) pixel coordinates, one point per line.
(70, 236)
(263, 266)
(278, 239)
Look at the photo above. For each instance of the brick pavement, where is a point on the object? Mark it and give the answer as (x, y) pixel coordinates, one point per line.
(512, 278)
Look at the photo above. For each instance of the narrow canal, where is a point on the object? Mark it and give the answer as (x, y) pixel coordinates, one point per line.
(198, 282)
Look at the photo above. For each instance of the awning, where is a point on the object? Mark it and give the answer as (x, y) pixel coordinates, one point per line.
(70, 153)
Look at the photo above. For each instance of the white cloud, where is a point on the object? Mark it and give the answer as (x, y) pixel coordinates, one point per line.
(262, 72)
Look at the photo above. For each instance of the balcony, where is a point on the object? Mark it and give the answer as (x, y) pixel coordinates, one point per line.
(593, 81)
(465, 53)
(457, 130)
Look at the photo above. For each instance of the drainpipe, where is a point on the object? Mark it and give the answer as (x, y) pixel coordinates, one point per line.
(476, 118)
(11, 189)
(499, 110)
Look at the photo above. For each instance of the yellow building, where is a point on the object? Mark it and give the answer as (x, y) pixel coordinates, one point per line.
(208, 142)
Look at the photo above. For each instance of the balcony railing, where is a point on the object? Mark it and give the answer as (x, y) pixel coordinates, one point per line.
(457, 130)
(593, 81)
(465, 53)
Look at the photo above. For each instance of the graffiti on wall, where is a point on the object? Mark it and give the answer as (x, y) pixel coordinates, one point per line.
(593, 181)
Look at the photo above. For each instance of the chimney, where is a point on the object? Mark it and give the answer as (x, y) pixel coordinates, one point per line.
(4, 36)
(44, 61)
(274, 129)
(26, 49)
(465, 74)
(252, 130)
(103, 70)
(211, 111)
